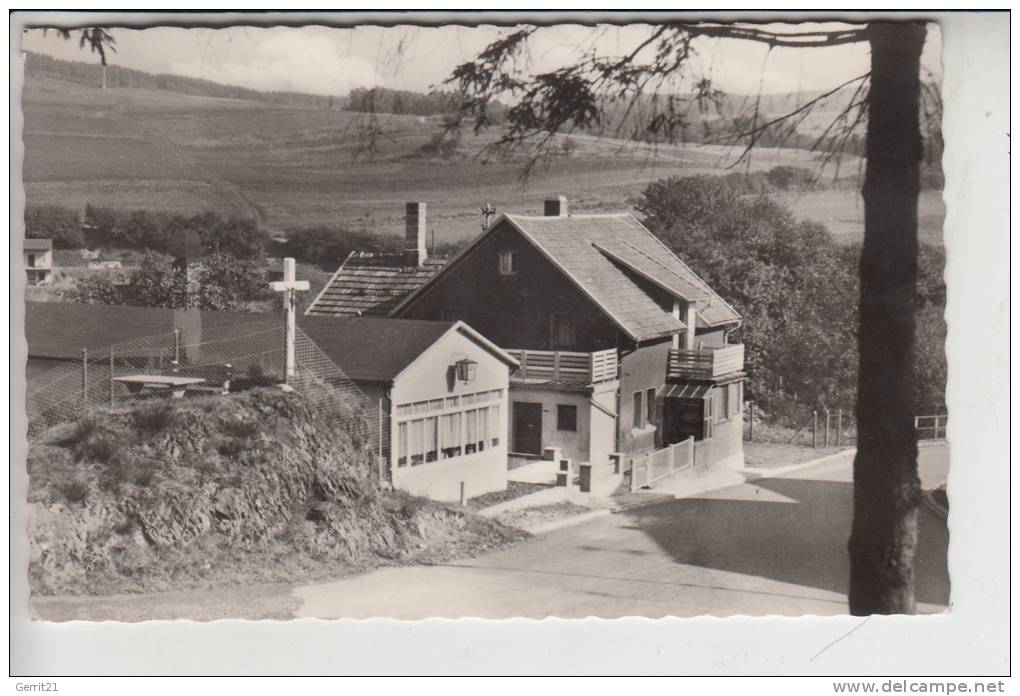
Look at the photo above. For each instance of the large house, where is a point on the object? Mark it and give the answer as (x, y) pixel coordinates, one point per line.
(622, 347)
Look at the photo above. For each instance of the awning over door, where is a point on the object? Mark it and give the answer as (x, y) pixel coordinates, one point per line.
(686, 391)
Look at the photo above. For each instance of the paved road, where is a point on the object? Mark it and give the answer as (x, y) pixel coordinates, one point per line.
(770, 546)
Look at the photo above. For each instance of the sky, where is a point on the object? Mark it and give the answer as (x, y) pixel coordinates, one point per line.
(332, 61)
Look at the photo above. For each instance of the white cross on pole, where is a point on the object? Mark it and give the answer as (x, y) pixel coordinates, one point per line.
(289, 285)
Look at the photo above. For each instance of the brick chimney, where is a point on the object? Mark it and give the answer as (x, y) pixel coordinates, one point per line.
(557, 207)
(415, 252)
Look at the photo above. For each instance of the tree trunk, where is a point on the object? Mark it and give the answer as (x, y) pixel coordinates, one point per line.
(886, 487)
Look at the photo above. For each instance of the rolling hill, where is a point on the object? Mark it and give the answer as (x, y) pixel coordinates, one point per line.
(288, 164)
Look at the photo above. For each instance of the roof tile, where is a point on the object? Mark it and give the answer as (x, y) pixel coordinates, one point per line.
(602, 253)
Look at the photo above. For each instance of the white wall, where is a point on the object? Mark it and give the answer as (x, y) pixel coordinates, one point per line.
(429, 378)
(603, 426)
(573, 444)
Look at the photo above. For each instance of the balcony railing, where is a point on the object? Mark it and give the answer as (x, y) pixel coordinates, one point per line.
(566, 366)
(707, 363)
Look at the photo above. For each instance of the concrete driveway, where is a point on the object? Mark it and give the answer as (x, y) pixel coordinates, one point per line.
(770, 546)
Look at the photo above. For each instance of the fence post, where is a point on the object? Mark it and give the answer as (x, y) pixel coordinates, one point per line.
(111, 378)
(839, 429)
(936, 427)
(382, 470)
(84, 380)
(750, 421)
(814, 429)
(177, 349)
(826, 427)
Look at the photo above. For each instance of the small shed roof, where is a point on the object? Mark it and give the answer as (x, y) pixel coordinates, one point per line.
(377, 349)
(38, 244)
(372, 349)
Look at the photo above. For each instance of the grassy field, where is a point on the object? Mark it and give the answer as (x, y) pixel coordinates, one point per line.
(299, 166)
(842, 212)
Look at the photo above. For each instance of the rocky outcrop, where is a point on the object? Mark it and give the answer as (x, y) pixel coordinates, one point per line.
(248, 488)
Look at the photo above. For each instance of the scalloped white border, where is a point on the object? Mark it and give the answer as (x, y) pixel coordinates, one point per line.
(973, 638)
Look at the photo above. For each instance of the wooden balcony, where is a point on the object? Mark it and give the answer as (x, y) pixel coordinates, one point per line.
(707, 363)
(565, 367)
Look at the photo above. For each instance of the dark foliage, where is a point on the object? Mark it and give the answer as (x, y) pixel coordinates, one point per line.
(328, 245)
(206, 232)
(218, 282)
(794, 285)
(62, 225)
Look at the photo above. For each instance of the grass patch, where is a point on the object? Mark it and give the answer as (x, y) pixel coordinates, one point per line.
(153, 418)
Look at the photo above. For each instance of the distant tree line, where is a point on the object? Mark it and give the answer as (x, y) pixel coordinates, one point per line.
(89, 75)
(328, 245)
(144, 230)
(197, 235)
(399, 101)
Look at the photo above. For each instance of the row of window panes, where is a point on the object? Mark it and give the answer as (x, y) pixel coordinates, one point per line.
(450, 435)
(449, 402)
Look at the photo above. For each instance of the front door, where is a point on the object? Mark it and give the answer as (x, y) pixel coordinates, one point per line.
(527, 427)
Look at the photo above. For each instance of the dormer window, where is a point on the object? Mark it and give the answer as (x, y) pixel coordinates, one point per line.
(508, 263)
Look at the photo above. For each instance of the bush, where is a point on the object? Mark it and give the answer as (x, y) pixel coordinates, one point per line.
(54, 222)
(328, 245)
(80, 431)
(101, 446)
(153, 418)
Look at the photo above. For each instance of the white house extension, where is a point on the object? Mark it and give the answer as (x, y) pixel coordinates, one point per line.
(443, 389)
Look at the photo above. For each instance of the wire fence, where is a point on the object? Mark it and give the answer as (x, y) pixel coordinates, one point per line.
(829, 427)
(211, 358)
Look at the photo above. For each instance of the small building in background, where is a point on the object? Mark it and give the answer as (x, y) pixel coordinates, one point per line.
(39, 261)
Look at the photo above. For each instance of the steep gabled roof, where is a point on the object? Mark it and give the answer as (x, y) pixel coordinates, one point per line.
(604, 255)
(371, 285)
(377, 349)
(372, 349)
